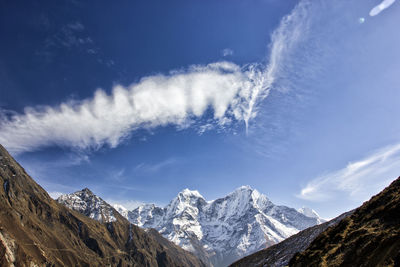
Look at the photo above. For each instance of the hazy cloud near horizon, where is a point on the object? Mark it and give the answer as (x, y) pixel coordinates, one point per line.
(359, 179)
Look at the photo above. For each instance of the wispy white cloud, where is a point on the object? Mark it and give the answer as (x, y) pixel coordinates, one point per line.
(158, 100)
(205, 127)
(116, 175)
(358, 180)
(382, 6)
(70, 35)
(227, 52)
(146, 167)
(77, 26)
(229, 91)
(291, 32)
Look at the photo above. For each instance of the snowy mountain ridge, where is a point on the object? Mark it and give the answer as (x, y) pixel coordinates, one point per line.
(311, 213)
(89, 204)
(218, 231)
(224, 229)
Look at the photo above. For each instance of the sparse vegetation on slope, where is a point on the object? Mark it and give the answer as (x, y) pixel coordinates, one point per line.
(369, 237)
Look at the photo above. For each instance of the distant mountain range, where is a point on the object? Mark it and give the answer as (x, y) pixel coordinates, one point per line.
(35, 230)
(218, 232)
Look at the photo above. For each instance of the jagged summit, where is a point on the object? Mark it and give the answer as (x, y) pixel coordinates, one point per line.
(219, 231)
(190, 193)
(89, 204)
(311, 213)
(224, 229)
(121, 210)
(247, 191)
(187, 195)
(244, 188)
(243, 191)
(86, 190)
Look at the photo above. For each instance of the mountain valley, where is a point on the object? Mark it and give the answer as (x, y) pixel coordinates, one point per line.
(218, 232)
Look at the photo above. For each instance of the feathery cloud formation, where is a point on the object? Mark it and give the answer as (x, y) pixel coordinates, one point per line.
(227, 52)
(154, 101)
(230, 91)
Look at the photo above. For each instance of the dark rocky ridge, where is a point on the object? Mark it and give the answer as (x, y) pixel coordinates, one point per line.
(35, 230)
(369, 237)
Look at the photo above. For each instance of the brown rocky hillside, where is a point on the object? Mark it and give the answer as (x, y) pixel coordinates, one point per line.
(369, 237)
(35, 230)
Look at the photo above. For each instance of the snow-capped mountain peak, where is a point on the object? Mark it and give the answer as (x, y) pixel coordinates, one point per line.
(243, 188)
(187, 197)
(89, 204)
(247, 193)
(121, 210)
(242, 193)
(146, 214)
(187, 193)
(311, 213)
(224, 229)
(219, 231)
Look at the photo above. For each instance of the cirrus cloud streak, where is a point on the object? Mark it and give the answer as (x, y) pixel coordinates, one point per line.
(359, 179)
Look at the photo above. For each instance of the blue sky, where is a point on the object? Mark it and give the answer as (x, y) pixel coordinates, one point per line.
(140, 100)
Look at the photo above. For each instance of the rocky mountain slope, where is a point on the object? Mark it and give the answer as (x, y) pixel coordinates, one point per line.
(35, 230)
(369, 237)
(225, 229)
(279, 255)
